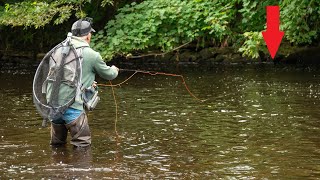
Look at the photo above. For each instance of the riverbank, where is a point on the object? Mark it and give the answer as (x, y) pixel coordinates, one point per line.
(187, 57)
(213, 56)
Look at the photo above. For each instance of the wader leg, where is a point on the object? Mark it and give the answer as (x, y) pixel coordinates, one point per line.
(59, 134)
(80, 132)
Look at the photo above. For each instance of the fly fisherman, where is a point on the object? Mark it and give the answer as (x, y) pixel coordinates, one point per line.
(74, 118)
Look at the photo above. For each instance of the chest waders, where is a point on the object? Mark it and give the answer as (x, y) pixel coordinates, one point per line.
(79, 131)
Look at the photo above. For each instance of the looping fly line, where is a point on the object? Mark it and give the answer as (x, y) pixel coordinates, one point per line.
(153, 73)
(144, 72)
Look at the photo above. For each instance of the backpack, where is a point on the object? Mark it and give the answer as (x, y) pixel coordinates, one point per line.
(57, 81)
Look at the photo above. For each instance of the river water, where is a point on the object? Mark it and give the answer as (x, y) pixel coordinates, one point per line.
(258, 122)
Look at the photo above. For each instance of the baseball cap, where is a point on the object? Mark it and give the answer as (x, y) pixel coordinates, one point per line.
(82, 27)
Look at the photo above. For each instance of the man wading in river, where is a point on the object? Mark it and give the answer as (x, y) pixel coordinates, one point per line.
(61, 72)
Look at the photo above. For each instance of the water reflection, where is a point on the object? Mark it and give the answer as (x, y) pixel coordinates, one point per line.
(77, 160)
(77, 157)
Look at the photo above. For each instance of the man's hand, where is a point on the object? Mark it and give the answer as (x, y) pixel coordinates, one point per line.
(94, 84)
(115, 67)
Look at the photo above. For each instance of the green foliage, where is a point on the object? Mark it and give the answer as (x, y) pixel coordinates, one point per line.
(105, 2)
(301, 20)
(162, 25)
(39, 13)
(252, 44)
(155, 25)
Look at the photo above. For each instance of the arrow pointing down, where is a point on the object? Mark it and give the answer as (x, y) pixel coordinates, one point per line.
(273, 36)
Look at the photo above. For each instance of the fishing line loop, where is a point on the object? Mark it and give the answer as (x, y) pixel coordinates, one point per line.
(153, 73)
(144, 72)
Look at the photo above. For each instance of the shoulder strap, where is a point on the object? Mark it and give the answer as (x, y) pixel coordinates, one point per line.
(66, 48)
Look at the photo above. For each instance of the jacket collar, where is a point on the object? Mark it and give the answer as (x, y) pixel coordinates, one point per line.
(78, 42)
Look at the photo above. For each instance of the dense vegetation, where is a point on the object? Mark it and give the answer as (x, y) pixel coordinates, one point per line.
(162, 25)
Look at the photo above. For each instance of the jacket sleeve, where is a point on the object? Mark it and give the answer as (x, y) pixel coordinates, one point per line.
(103, 70)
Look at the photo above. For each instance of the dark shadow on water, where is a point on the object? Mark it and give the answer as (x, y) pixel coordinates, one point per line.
(75, 157)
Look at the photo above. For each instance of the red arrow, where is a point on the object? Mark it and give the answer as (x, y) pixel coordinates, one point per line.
(273, 36)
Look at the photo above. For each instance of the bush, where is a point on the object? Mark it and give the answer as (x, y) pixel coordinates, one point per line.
(161, 25)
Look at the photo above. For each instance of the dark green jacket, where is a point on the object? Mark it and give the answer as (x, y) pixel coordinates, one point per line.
(92, 64)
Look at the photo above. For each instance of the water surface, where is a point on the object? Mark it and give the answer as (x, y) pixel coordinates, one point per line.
(256, 123)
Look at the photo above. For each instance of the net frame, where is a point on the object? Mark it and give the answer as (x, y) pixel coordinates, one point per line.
(46, 109)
